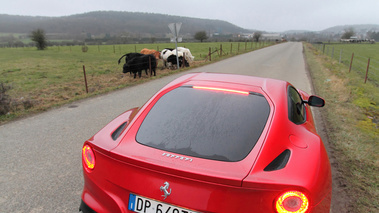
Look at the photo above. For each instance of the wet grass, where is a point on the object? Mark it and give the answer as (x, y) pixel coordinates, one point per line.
(351, 115)
(362, 53)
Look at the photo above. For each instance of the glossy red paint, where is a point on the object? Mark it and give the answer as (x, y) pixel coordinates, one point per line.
(124, 166)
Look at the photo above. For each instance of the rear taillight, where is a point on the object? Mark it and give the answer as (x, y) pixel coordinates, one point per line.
(292, 202)
(88, 157)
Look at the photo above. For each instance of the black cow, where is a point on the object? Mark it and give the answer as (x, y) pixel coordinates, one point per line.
(129, 56)
(139, 63)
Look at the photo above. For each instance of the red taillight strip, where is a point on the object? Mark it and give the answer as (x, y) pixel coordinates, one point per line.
(222, 90)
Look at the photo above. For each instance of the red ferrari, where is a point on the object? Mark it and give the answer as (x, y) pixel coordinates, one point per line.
(211, 142)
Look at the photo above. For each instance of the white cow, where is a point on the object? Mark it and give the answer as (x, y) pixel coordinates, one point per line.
(169, 58)
(187, 53)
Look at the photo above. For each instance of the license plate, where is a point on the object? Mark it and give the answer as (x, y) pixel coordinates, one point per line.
(146, 205)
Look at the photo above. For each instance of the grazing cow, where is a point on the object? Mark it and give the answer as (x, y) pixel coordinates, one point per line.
(129, 56)
(145, 51)
(169, 58)
(187, 54)
(139, 63)
(165, 53)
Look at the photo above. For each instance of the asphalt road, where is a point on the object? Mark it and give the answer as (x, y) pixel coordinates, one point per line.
(41, 155)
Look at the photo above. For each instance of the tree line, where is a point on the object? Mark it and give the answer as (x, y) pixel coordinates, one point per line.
(39, 38)
(350, 32)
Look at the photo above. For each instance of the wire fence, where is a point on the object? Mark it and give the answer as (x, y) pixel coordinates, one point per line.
(236, 49)
(354, 59)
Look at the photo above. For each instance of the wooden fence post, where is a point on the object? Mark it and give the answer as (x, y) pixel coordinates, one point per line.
(351, 62)
(368, 65)
(85, 78)
(231, 47)
(184, 61)
(332, 52)
(210, 55)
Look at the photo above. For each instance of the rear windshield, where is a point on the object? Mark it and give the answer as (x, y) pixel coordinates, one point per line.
(206, 124)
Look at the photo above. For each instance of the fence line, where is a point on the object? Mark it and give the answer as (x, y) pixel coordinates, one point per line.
(222, 52)
(367, 67)
(235, 47)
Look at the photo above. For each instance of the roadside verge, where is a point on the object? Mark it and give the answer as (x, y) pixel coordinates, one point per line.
(350, 131)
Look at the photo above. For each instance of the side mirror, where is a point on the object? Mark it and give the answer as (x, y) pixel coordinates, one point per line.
(315, 101)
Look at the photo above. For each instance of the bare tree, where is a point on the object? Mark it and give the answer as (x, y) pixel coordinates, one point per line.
(201, 35)
(5, 100)
(257, 36)
(373, 35)
(348, 33)
(39, 37)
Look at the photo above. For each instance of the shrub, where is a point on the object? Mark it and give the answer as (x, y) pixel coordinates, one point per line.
(5, 100)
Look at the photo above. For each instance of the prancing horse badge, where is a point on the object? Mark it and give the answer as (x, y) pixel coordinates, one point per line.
(165, 190)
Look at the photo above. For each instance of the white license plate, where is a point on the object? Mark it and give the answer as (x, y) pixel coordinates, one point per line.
(146, 205)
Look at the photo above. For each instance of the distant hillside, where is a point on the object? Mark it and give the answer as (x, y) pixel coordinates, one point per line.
(359, 28)
(132, 27)
(114, 23)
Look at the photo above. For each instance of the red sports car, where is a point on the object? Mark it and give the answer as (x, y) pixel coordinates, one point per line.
(211, 142)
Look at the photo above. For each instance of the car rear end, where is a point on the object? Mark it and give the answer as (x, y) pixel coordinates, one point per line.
(119, 186)
(192, 148)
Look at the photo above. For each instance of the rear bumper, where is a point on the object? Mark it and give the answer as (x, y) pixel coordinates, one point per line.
(108, 187)
(85, 208)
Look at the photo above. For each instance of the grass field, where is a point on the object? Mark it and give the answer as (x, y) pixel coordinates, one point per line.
(362, 52)
(39, 80)
(351, 115)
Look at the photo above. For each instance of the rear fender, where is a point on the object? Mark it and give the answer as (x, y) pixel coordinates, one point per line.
(110, 136)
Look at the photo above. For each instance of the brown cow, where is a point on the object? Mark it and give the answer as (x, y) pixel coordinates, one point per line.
(145, 51)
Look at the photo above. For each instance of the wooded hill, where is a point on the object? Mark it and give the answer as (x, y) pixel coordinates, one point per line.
(113, 23)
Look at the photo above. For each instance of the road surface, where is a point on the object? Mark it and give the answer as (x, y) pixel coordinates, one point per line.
(41, 155)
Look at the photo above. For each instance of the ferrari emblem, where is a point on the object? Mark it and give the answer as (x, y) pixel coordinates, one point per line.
(165, 190)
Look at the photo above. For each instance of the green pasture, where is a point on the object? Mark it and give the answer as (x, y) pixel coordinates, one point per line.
(55, 76)
(362, 52)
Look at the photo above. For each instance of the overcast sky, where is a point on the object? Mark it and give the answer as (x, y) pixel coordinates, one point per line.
(265, 15)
